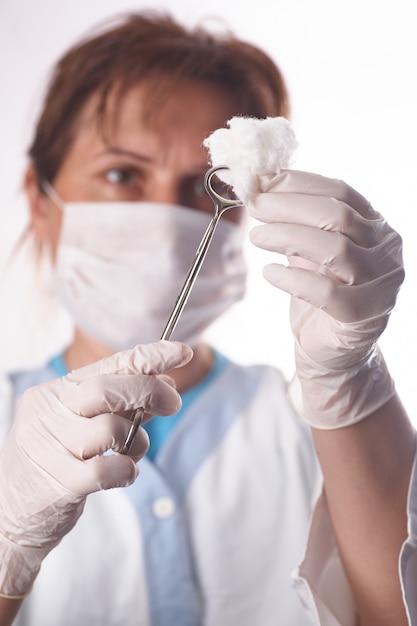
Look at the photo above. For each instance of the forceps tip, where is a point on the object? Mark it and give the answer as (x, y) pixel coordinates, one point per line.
(137, 421)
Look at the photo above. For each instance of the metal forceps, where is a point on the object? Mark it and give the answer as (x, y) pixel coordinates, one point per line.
(221, 204)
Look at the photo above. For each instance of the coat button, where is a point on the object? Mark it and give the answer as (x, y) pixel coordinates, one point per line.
(163, 507)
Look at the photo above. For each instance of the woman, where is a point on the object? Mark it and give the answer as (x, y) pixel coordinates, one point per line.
(220, 515)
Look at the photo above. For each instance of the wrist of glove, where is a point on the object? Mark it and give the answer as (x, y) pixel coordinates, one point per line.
(54, 455)
(27, 537)
(329, 399)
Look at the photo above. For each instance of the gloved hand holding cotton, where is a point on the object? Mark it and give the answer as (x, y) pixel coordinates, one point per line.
(254, 150)
(343, 274)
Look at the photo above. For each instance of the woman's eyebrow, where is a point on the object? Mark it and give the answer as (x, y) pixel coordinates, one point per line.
(198, 170)
(124, 152)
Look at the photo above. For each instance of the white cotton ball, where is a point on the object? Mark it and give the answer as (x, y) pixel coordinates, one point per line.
(251, 148)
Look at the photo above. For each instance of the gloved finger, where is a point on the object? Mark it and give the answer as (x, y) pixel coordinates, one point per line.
(322, 212)
(346, 303)
(90, 437)
(306, 183)
(130, 414)
(62, 443)
(116, 393)
(348, 262)
(100, 472)
(59, 465)
(151, 358)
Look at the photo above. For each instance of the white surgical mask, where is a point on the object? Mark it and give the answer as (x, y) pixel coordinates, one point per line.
(121, 265)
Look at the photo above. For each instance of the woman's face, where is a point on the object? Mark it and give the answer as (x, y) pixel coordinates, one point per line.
(164, 162)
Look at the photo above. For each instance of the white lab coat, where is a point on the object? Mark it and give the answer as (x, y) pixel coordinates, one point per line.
(211, 533)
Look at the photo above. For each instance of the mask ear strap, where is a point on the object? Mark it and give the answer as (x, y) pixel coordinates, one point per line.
(52, 194)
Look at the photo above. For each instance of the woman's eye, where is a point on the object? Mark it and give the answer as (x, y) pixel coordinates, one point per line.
(120, 176)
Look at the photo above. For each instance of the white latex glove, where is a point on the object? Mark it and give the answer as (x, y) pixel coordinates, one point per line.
(54, 454)
(344, 274)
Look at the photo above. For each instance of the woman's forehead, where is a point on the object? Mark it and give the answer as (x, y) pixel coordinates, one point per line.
(201, 107)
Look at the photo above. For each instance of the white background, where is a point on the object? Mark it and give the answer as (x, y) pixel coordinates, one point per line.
(351, 70)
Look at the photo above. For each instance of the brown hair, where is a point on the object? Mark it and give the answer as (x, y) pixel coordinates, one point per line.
(153, 47)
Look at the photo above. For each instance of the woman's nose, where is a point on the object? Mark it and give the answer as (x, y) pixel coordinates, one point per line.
(166, 192)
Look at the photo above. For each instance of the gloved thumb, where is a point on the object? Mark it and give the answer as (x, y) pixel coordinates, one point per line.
(152, 358)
